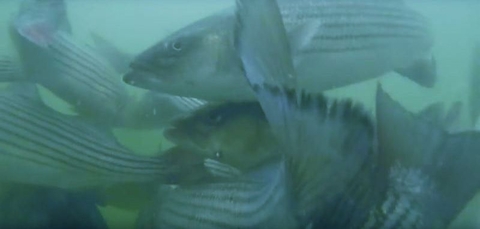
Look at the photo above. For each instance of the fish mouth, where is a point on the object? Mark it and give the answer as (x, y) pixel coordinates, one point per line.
(142, 79)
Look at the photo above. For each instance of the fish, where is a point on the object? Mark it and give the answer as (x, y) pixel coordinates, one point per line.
(81, 75)
(474, 80)
(40, 146)
(150, 110)
(45, 207)
(241, 135)
(432, 174)
(255, 200)
(333, 44)
(321, 138)
(209, 131)
(407, 172)
(66, 67)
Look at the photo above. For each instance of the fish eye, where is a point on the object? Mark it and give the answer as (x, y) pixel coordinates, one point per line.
(177, 46)
(218, 154)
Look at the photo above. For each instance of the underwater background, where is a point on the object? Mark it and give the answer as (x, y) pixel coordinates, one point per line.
(133, 26)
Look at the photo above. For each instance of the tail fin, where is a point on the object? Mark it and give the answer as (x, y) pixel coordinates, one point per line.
(436, 172)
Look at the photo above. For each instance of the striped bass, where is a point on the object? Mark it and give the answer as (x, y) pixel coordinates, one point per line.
(411, 174)
(81, 74)
(43, 147)
(333, 44)
(256, 200)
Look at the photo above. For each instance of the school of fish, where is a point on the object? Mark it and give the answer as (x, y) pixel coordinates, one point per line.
(257, 143)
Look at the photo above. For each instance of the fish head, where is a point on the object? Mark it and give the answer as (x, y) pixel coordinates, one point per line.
(233, 133)
(191, 61)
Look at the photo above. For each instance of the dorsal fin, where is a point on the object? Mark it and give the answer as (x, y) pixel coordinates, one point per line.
(310, 128)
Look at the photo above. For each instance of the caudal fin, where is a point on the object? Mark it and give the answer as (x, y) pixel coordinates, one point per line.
(436, 173)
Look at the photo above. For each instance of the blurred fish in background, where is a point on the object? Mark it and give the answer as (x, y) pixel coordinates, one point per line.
(78, 74)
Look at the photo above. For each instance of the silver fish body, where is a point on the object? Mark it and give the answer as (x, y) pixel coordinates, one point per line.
(81, 74)
(75, 73)
(255, 200)
(413, 174)
(333, 43)
(40, 146)
(50, 56)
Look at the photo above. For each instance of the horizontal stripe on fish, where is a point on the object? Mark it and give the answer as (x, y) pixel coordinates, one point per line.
(349, 26)
(234, 203)
(49, 123)
(10, 69)
(38, 138)
(82, 64)
(75, 73)
(314, 9)
(68, 127)
(189, 103)
(87, 58)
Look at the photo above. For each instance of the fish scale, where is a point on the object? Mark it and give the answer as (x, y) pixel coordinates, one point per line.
(246, 202)
(370, 37)
(41, 146)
